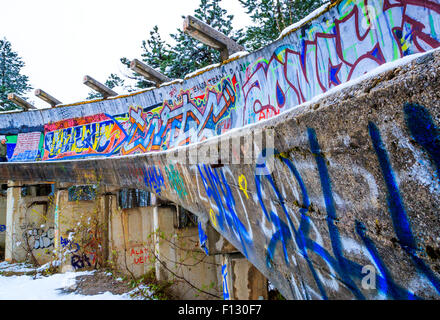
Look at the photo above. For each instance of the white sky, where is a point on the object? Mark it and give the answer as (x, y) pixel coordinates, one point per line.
(60, 41)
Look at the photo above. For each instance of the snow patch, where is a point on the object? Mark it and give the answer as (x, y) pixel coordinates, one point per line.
(211, 66)
(298, 24)
(238, 54)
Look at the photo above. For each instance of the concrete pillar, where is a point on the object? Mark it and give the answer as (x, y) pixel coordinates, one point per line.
(57, 200)
(163, 225)
(241, 280)
(180, 259)
(81, 229)
(212, 242)
(131, 241)
(13, 195)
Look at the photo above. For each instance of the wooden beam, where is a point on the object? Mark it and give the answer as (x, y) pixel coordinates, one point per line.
(47, 97)
(99, 87)
(211, 37)
(20, 102)
(148, 72)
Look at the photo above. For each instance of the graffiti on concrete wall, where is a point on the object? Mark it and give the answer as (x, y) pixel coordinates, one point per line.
(225, 282)
(140, 255)
(176, 181)
(80, 261)
(27, 147)
(292, 234)
(343, 43)
(348, 40)
(38, 238)
(154, 179)
(70, 245)
(203, 239)
(100, 134)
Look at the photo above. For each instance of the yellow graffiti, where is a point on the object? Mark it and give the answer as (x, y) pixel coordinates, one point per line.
(38, 214)
(213, 217)
(242, 182)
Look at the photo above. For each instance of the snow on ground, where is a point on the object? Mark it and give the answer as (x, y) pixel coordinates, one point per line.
(52, 287)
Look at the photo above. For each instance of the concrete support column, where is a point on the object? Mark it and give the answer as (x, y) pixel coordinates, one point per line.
(241, 280)
(57, 196)
(107, 199)
(163, 224)
(13, 196)
(212, 242)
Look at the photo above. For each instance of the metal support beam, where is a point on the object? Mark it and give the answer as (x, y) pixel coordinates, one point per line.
(211, 37)
(47, 97)
(20, 102)
(99, 87)
(148, 72)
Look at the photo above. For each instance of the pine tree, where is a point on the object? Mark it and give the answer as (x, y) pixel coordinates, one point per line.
(273, 16)
(187, 54)
(190, 54)
(113, 81)
(11, 80)
(156, 53)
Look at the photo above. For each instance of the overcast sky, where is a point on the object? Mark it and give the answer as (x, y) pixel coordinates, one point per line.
(60, 41)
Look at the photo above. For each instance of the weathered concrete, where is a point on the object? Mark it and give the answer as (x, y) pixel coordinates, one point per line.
(29, 225)
(241, 280)
(2, 223)
(180, 260)
(354, 169)
(353, 187)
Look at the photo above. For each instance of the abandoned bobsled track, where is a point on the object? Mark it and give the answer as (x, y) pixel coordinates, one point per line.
(343, 183)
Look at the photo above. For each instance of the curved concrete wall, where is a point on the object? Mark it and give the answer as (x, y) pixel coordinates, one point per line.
(346, 40)
(353, 189)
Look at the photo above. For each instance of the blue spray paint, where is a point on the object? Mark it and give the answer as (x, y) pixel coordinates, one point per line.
(225, 282)
(154, 179)
(424, 131)
(203, 238)
(283, 233)
(386, 284)
(217, 187)
(396, 207)
(331, 212)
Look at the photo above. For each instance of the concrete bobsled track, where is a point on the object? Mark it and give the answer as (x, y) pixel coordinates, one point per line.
(344, 183)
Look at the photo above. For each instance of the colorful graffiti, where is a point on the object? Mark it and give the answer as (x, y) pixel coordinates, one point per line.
(176, 181)
(27, 147)
(100, 134)
(154, 179)
(203, 238)
(293, 236)
(329, 51)
(343, 43)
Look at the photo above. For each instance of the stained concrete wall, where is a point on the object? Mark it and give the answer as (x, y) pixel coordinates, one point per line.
(345, 193)
(2, 224)
(352, 189)
(180, 259)
(29, 224)
(131, 237)
(81, 231)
